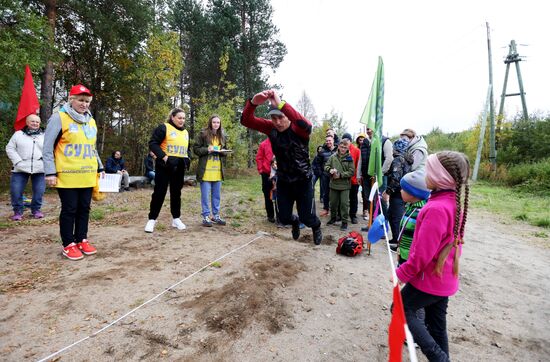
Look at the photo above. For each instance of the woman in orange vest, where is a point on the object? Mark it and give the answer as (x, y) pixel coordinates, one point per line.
(71, 164)
(170, 143)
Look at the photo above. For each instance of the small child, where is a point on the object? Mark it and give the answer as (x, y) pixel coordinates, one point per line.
(431, 272)
(415, 193)
(340, 167)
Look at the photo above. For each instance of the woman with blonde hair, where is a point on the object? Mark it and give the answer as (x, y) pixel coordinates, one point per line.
(25, 152)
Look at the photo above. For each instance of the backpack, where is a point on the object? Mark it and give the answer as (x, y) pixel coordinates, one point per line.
(350, 245)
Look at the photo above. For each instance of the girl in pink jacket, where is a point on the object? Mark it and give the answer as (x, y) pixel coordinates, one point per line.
(431, 272)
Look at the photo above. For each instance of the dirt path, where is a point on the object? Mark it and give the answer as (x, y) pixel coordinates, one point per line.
(276, 299)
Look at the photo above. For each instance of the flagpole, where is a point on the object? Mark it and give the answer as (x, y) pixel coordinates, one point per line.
(410, 340)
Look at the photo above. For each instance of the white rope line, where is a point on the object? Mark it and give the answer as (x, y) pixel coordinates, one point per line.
(261, 234)
(408, 335)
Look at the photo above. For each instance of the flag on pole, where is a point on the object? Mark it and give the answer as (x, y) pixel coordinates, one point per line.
(396, 335)
(376, 120)
(28, 104)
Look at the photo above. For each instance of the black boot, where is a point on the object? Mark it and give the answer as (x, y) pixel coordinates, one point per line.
(317, 236)
(344, 226)
(331, 221)
(295, 229)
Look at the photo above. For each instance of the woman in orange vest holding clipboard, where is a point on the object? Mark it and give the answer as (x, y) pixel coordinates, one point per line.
(71, 164)
(170, 143)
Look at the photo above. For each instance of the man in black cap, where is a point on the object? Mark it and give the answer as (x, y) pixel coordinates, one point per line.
(289, 133)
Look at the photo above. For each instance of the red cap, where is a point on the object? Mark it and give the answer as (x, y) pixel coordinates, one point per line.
(79, 89)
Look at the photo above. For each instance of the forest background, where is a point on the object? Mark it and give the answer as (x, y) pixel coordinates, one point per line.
(140, 58)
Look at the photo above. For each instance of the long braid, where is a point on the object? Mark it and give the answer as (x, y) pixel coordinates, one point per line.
(466, 201)
(458, 167)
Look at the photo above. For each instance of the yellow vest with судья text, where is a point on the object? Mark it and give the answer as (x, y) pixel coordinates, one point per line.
(176, 142)
(213, 169)
(75, 154)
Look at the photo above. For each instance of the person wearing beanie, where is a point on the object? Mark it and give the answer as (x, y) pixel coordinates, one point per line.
(354, 190)
(415, 193)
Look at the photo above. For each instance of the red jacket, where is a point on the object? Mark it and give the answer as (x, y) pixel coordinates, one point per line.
(264, 157)
(355, 153)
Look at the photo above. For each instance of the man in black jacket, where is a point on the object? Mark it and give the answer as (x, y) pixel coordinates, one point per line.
(289, 133)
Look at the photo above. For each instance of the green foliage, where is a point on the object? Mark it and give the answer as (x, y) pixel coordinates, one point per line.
(146, 87)
(511, 203)
(23, 40)
(241, 30)
(525, 140)
(224, 104)
(530, 177)
(439, 141)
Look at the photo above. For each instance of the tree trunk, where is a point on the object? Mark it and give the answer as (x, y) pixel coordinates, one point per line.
(246, 80)
(46, 86)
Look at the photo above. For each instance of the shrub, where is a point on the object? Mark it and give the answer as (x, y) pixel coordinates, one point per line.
(532, 177)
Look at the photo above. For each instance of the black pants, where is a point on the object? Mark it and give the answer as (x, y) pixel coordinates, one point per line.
(395, 213)
(165, 176)
(300, 192)
(325, 190)
(75, 213)
(431, 333)
(267, 185)
(353, 200)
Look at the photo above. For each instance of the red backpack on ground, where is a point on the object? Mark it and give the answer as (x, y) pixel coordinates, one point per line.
(350, 245)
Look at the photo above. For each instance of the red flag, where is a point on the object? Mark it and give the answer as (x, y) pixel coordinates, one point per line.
(28, 104)
(396, 335)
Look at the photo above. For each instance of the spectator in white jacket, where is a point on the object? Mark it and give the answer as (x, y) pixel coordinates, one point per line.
(25, 152)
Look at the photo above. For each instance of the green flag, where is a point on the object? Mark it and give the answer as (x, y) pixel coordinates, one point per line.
(373, 117)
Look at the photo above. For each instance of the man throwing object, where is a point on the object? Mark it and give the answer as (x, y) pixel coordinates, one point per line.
(289, 133)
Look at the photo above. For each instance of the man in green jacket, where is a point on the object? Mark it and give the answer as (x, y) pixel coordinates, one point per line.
(341, 168)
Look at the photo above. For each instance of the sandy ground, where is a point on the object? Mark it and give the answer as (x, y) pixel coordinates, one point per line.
(273, 300)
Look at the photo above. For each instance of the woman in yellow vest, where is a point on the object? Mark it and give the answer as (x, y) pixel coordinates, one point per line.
(170, 143)
(207, 146)
(71, 164)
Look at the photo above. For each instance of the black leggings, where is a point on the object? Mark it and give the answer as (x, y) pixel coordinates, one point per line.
(75, 213)
(165, 176)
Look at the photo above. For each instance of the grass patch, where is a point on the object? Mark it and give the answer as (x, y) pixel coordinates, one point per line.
(526, 207)
(543, 223)
(541, 234)
(97, 214)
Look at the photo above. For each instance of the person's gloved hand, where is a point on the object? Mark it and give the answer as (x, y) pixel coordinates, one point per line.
(187, 163)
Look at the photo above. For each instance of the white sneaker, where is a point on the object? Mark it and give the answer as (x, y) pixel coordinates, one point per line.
(176, 223)
(150, 226)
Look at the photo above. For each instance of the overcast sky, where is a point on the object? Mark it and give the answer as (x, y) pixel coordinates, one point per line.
(434, 52)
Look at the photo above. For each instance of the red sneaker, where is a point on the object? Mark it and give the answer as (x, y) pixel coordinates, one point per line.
(86, 247)
(72, 252)
(323, 213)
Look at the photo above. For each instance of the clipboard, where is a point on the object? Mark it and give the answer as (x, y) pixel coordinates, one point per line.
(110, 182)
